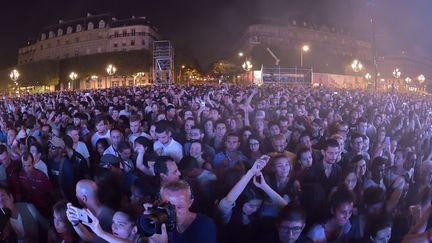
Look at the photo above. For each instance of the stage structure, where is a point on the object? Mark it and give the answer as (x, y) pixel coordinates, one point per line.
(163, 62)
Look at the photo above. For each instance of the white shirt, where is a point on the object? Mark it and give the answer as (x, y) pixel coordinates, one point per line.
(40, 165)
(172, 149)
(110, 150)
(82, 149)
(18, 226)
(97, 136)
(132, 137)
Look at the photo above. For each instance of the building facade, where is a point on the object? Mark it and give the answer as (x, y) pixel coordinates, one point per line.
(328, 47)
(92, 34)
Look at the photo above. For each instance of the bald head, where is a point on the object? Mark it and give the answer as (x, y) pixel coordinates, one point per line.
(86, 191)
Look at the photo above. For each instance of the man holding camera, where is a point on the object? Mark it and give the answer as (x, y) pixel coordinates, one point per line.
(190, 227)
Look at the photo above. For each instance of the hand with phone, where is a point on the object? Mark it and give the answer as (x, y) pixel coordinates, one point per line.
(76, 215)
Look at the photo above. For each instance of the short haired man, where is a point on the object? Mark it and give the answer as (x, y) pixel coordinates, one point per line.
(190, 227)
(116, 136)
(290, 224)
(166, 169)
(165, 144)
(102, 130)
(326, 172)
(135, 127)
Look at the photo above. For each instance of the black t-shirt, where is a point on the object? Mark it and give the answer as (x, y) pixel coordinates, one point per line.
(201, 230)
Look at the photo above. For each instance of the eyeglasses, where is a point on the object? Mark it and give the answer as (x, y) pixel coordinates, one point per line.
(294, 230)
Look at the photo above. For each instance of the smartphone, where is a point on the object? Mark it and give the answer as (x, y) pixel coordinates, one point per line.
(87, 94)
(81, 214)
(202, 104)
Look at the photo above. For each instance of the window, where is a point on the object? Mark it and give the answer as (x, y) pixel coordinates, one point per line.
(51, 34)
(132, 42)
(76, 52)
(78, 28)
(101, 24)
(133, 32)
(116, 34)
(59, 32)
(143, 42)
(69, 30)
(124, 33)
(67, 41)
(124, 44)
(115, 45)
(90, 26)
(77, 39)
(43, 36)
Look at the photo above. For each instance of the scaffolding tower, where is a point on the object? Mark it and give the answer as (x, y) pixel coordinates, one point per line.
(163, 62)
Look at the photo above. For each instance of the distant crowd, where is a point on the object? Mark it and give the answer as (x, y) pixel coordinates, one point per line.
(236, 163)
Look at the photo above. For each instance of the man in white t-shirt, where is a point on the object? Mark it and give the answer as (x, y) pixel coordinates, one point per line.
(135, 127)
(79, 146)
(165, 144)
(116, 137)
(102, 130)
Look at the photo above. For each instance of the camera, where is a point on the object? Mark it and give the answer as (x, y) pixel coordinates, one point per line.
(160, 214)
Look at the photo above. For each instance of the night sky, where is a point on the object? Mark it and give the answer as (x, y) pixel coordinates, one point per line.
(209, 28)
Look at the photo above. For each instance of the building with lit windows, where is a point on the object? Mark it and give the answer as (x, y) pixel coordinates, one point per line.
(89, 35)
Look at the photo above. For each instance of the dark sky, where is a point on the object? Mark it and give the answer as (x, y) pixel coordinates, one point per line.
(209, 28)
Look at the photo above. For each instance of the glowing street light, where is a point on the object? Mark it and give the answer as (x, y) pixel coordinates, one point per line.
(304, 48)
(356, 66)
(14, 75)
(94, 77)
(408, 80)
(72, 76)
(421, 78)
(111, 69)
(368, 76)
(240, 54)
(247, 65)
(397, 73)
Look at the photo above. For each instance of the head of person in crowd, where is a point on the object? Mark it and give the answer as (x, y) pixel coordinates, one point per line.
(125, 151)
(116, 137)
(304, 157)
(101, 145)
(246, 133)
(305, 140)
(232, 142)
(209, 127)
(5, 159)
(135, 124)
(330, 151)
(254, 144)
(36, 150)
(349, 176)
(63, 229)
(220, 129)
(400, 158)
(166, 169)
(56, 147)
(101, 124)
(360, 164)
(170, 111)
(45, 131)
(189, 167)
(279, 143)
(283, 125)
(356, 143)
(196, 149)
(27, 162)
(290, 223)
(73, 132)
(374, 200)
(378, 169)
(281, 167)
(259, 126)
(87, 193)
(341, 206)
(274, 129)
(124, 225)
(362, 125)
(189, 123)
(152, 131)
(195, 134)
(143, 142)
(163, 133)
(378, 228)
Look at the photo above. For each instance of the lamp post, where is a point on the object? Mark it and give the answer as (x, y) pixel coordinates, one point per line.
(111, 69)
(94, 78)
(14, 75)
(304, 48)
(247, 66)
(180, 74)
(421, 79)
(397, 73)
(72, 76)
(356, 66)
(368, 77)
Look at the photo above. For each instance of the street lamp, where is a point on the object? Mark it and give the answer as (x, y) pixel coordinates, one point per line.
(408, 80)
(421, 78)
(240, 54)
(14, 75)
(356, 66)
(72, 76)
(304, 48)
(180, 74)
(397, 73)
(111, 69)
(368, 76)
(247, 65)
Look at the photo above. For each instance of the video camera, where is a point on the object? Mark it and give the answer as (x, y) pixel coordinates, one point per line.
(150, 224)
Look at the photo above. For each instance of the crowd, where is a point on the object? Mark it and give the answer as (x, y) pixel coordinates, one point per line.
(236, 164)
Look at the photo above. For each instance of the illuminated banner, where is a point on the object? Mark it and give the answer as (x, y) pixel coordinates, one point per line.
(286, 75)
